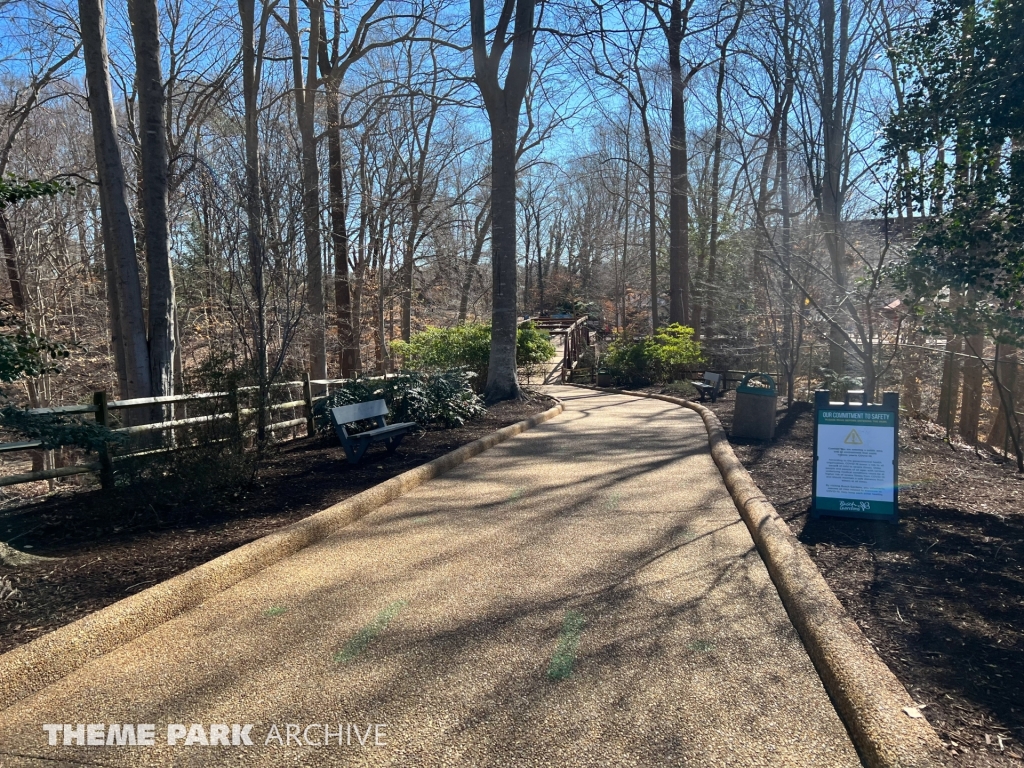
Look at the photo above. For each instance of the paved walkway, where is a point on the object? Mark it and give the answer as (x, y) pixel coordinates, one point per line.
(584, 594)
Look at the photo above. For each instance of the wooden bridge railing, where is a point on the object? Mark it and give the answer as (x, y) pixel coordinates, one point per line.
(577, 339)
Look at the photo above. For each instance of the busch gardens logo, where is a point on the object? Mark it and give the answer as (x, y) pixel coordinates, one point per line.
(854, 506)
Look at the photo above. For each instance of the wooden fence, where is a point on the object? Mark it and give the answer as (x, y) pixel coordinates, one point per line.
(172, 415)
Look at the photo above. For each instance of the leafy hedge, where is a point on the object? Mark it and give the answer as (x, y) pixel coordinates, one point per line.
(445, 398)
(659, 358)
(468, 346)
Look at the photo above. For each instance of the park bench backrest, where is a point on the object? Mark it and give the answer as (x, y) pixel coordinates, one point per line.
(713, 378)
(346, 414)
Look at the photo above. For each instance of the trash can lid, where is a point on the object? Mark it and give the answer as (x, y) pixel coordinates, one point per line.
(764, 384)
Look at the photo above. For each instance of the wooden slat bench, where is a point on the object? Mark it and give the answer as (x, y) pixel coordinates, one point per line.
(355, 445)
(710, 386)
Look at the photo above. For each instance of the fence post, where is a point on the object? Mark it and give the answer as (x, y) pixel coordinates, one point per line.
(307, 395)
(99, 399)
(236, 418)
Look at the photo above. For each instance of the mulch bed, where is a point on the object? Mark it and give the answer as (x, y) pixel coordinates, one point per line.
(115, 544)
(941, 595)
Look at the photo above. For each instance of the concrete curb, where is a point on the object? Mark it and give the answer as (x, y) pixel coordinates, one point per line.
(30, 667)
(867, 695)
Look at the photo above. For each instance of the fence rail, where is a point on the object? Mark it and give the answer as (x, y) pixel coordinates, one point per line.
(103, 408)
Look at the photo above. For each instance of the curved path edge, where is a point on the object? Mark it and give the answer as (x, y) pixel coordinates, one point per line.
(883, 720)
(30, 667)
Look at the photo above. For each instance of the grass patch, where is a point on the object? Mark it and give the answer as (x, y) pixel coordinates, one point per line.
(276, 610)
(568, 642)
(354, 647)
(701, 646)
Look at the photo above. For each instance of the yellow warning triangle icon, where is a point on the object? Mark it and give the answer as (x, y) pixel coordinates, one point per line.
(853, 438)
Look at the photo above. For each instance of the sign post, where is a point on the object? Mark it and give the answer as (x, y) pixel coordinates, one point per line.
(856, 458)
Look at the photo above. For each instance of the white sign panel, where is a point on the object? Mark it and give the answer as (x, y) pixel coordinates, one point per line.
(855, 469)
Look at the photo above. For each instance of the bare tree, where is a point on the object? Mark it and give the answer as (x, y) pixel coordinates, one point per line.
(305, 89)
(705, 300)
(153, 137)
(503, 104)
(676, 28)
(128, 327)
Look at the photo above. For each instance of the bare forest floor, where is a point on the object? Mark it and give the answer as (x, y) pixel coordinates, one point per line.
(114, 544)
(941, 595)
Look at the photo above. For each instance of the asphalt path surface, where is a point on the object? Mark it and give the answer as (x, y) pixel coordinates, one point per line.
(584, 594)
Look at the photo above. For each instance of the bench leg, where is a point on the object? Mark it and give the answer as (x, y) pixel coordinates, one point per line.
(355, 456)
(392, 443)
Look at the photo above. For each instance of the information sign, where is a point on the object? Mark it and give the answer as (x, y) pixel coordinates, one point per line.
(855, 458)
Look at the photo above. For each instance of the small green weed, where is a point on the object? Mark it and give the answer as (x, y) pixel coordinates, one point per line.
(367, 634)
(568, 642)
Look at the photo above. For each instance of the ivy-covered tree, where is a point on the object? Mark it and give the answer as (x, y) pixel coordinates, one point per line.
(963, 116)
(22, 352)
(14, 190)
(25, 353)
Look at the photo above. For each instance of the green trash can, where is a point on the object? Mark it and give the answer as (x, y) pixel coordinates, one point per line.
(757, 399)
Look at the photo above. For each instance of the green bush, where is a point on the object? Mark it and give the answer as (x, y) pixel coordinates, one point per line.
(468, 346)
(533, 346)
(838, 384)
(444, 398)
(675, 350)
(462, 346)
(630, 361)
(662, 357)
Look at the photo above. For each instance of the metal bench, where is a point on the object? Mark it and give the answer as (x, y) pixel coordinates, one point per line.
(355, 445)
(710, 386)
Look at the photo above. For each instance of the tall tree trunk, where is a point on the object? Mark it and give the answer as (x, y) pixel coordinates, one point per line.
(540, 266)
(950, 388)
(114, 310)
(11, 262)
(1004, 388)
(679, 212)
(708, 291)
(305, 111)
(252, 69)
(117, 220)
(483, 226)
(339, 237)
(970, 406)
(153, 140)
(20, 303)
(502, 380)
(380, 349)
(910, 395)
(833, 127)
(790, 350)
(408, 260)
(652, 197)
(480, 229)
(503, 106)
(418, 180)
(620, 278)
